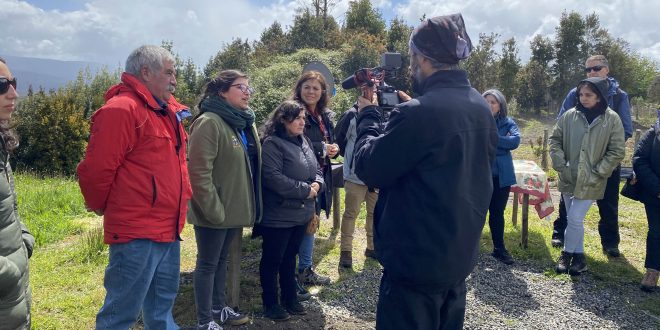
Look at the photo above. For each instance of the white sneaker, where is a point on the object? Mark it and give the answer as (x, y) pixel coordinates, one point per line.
(228, 316)
(209, 326)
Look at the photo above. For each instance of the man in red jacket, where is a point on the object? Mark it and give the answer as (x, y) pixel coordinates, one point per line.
(135, 175)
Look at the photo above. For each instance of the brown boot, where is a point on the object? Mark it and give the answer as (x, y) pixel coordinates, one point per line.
(650, 280)
(346, 259)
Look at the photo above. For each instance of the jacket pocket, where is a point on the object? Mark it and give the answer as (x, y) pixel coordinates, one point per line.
(293, 203)
(154, 191)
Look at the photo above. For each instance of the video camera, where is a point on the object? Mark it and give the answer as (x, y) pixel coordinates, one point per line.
(388, 96)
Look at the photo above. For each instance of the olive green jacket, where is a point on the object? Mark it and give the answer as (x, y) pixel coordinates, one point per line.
(16, 244)
(224, 195)
(584, 155)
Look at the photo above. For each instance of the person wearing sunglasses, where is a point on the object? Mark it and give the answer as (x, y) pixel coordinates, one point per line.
(608, 206)
(225, 174)
(16, 242)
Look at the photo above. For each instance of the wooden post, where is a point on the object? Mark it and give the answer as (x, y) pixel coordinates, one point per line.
(544, 155)
(525, 215)
(234, 271)
(514, 211)
(336, 217)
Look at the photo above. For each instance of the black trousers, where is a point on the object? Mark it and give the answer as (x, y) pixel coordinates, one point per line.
(653, 237)
(608, 208)
(278, 256)
(403, 307)
(496, 213)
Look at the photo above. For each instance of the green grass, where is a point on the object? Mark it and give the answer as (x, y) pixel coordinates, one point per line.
(49, 206)
(67, 267)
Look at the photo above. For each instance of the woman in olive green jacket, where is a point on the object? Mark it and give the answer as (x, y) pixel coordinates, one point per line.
(16, 242)
(225, 174)
(586, 145)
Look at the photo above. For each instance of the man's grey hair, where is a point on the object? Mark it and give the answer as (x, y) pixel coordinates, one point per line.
(599, 58)
(435, 64)
(149, 56)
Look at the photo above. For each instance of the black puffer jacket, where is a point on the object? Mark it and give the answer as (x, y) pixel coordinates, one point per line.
(646, 163)
(313, 132)
(288, 169)
(432, 165)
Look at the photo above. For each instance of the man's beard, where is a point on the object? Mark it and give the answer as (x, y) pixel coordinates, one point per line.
(416, 78)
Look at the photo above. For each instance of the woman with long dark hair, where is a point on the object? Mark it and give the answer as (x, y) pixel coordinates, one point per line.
(225, 174)
(311, 91)
(16, 243)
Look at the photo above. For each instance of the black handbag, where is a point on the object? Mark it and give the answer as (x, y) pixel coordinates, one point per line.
(632, 188)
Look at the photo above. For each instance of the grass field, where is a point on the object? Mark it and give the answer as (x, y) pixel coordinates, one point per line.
(68, 264)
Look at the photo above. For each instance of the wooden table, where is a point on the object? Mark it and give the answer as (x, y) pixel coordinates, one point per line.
(531, 188)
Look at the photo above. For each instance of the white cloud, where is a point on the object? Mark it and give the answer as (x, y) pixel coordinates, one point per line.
(106, 31)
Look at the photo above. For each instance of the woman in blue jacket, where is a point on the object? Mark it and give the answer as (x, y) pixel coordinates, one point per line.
(503, 174)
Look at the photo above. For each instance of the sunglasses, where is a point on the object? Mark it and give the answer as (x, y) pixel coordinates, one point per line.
(594, 68)
(244, 88)
(5, 83)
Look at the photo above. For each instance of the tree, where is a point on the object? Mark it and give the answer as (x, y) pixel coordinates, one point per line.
(361, 16)
(542, 50)
(235, 55)
(481, 65)
(508, 67)
(653, 93)
(571, 53)
(533, 87)
(307, 31)
(397, 41)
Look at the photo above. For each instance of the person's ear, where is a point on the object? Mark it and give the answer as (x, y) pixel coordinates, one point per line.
(145, 73)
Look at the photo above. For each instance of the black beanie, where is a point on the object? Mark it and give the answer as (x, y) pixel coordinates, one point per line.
(442, 38)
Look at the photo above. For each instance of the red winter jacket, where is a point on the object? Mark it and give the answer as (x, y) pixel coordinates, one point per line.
(135, 166)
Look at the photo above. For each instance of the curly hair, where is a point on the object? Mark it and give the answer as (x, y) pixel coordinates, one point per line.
(307, 76)
(286, 112)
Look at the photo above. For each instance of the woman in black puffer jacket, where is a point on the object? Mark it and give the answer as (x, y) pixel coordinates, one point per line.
(646, 163)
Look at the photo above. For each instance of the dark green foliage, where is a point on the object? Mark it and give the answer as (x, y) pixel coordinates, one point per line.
(54, 128)
(482, 63)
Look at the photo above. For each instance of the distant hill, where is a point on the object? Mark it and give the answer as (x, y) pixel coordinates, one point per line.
(49, 74)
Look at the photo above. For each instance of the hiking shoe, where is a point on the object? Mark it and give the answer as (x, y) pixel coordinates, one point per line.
(557, 239)
(370, 253)
(578, 264)
(209, 326)
(302, 293)
(612, 251)
(308, 276)
(295, 308)
(650, 280)
(228, 316)
(346, 259)
(503, 256)
(563, 262)
(276, 313)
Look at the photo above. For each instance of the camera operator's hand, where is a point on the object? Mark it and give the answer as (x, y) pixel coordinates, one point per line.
(332, 149)
(404, 97)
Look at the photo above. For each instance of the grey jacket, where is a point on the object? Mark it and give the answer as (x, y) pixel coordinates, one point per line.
(584, 155)
(15, 246)
(289, 168)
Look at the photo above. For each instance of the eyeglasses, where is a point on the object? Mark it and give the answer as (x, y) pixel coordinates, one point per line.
(5, 83)
(595, 68)
(244, 88)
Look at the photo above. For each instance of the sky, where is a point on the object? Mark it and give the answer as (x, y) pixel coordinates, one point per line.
(106, 31)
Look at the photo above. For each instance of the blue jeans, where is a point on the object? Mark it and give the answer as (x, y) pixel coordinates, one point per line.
(141, 275)
(305, 252)
(211, 269)
(576, 210)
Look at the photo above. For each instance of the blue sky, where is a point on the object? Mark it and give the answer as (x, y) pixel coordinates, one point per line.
(105, 31)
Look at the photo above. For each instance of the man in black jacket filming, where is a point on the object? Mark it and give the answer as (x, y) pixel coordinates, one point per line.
(431, 163)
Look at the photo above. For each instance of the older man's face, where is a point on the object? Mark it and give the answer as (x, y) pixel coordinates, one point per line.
(595, 68)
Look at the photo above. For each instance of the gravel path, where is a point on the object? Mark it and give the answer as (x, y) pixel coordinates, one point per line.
(499, 297)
